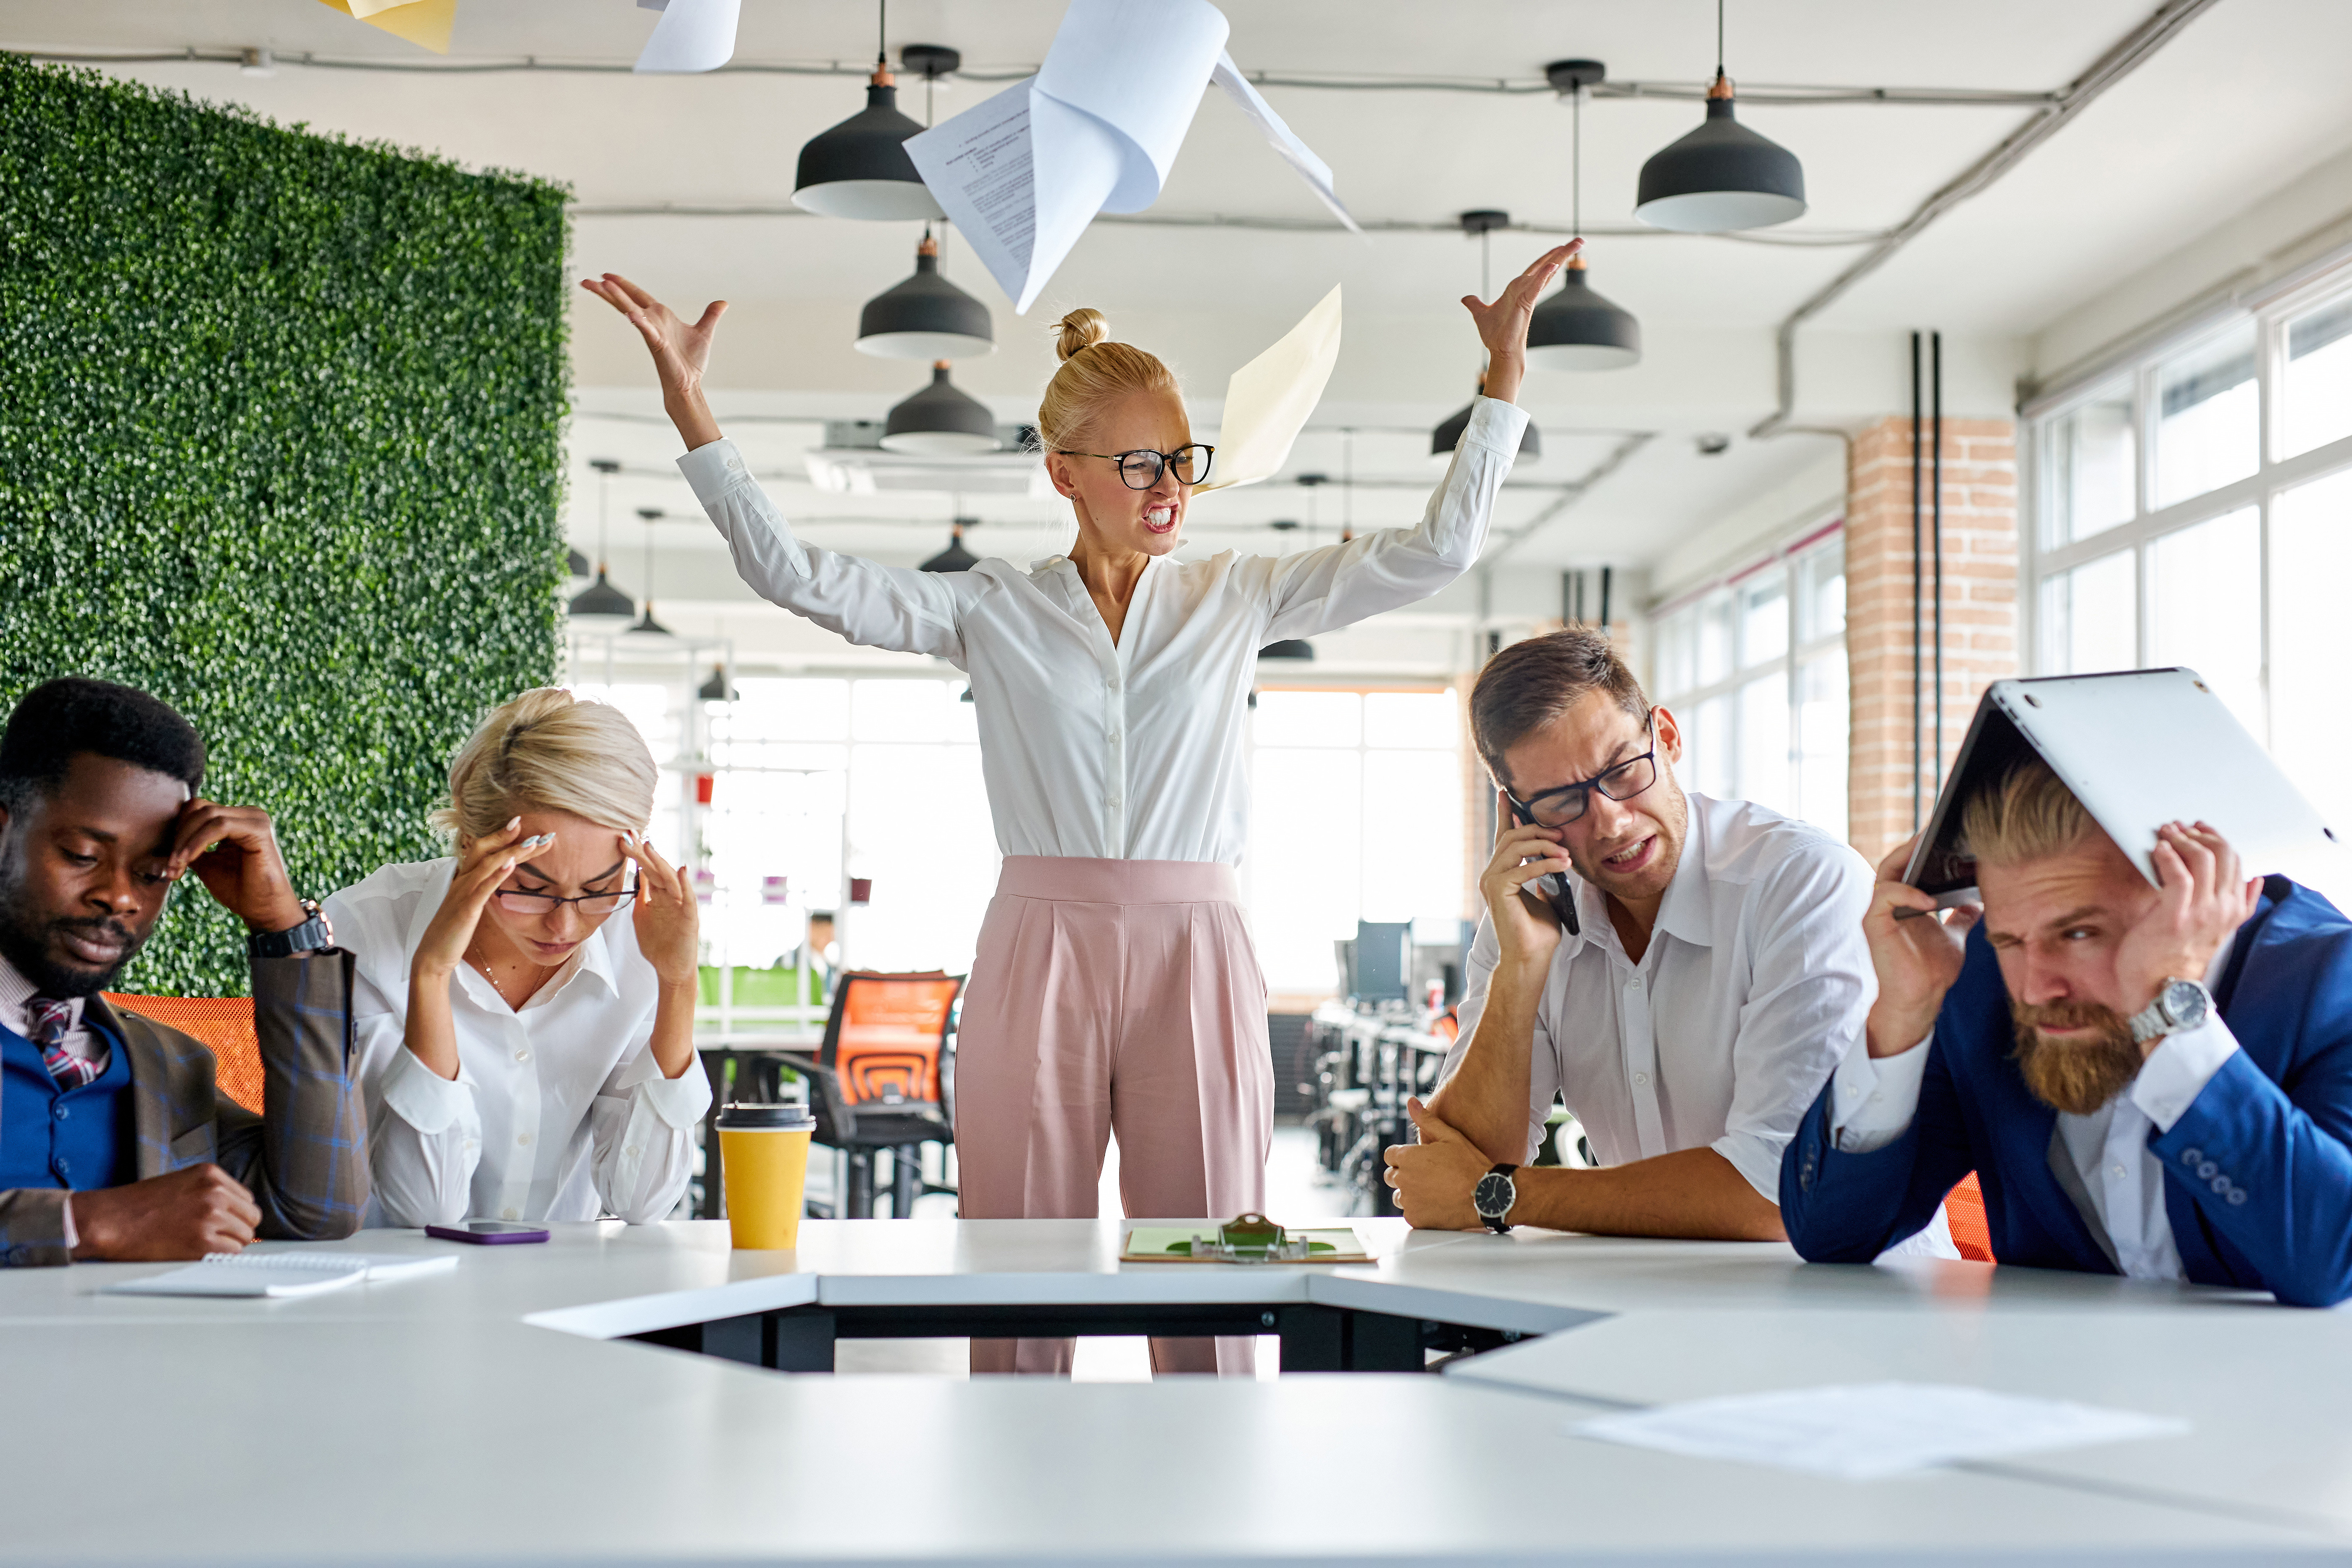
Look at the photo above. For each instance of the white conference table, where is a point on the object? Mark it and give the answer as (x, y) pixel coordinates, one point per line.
(484, 1416)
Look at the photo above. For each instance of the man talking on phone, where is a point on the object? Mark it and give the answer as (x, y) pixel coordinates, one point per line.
(1710, 977)
(114, 1143)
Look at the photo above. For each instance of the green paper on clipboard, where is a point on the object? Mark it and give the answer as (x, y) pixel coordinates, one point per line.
(1251, 1238)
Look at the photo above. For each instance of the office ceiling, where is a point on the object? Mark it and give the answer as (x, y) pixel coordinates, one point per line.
(2239, 104)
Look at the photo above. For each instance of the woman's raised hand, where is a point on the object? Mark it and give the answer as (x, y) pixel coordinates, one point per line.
(680, 351)
(1503, 324)
(483, 865)
(667, 918)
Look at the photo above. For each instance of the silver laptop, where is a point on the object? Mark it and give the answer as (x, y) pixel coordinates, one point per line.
(2139, 748)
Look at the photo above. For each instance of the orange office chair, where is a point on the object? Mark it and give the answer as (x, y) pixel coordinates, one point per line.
(885, 1079)
(1964, 1208)
(223, 1022)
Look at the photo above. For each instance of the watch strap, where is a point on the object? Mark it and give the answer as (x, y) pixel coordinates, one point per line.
(2156, 1018)
(314, 932)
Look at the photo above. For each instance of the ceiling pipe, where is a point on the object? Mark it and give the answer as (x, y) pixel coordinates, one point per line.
(2128, 53)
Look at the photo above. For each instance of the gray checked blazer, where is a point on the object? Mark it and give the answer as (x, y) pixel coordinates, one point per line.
(304, 1158)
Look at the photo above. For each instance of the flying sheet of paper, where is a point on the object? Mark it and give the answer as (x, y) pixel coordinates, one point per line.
(1096, 129)
(1866, 1431)
(1297, 154)
(1267, 400)
(421, 22)
(692, 35)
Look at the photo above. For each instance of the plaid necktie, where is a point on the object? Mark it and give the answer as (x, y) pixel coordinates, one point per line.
(51, 1020)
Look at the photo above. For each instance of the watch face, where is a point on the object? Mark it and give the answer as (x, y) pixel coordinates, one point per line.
(1493, 1195)
(2184, 1002)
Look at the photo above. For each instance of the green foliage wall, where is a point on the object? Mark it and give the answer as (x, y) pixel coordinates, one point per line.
(279, 424)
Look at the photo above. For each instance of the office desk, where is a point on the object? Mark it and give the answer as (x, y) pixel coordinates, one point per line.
(477, 1415)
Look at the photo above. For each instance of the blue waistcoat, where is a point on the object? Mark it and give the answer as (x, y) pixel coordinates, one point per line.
(80, 1139)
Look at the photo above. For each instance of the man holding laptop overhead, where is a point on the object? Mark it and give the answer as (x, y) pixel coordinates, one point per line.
(2152, 1080)
(1687, 990)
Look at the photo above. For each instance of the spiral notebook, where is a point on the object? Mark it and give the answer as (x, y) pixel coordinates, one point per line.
(279, 1274)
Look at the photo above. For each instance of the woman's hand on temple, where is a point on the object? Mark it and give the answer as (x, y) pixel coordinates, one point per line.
(481, 866)
(669, 932)
(1503, 325)
(680, 351)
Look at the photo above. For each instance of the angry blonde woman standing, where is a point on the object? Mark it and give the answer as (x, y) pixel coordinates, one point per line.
(1115, 990)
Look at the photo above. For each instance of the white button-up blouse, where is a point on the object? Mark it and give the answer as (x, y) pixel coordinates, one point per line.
(1131, 750)
(559, 1111)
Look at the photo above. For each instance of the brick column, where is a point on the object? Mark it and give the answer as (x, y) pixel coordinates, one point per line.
(1981, 629)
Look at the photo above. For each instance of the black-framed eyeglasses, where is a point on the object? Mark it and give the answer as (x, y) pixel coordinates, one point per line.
(517, 902)
(1559, 807)
(1142, 469)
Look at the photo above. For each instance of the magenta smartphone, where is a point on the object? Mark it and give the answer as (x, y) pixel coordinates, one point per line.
(487, 1232)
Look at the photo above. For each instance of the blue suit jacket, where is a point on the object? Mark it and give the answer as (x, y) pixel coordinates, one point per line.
(2259, 1166)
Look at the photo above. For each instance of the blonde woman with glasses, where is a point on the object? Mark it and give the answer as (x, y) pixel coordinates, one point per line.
(525, 1008)
(1115, 989)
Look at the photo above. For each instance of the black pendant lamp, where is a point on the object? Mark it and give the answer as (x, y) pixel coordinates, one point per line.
(941, 420)
(1722, 177)
(647, 627)
(1578, 328)
(925, 316)
(717, 688)
(859, 168)
(955, 557)
(1482, 222)
(601, 607)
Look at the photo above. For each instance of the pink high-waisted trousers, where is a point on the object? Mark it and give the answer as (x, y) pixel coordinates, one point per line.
(1113, 997)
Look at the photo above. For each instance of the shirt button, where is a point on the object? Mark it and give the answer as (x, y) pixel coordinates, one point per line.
(1637, 983)
(509, 1213)
(60, 1111)
(523, 1138)
(734, 463)
(2116, 1171)
(1640, 1080)
(631, 1150)
(522, 1056)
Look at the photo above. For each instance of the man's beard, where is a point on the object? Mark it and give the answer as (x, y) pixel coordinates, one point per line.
(2075, 1075)
(27, 947)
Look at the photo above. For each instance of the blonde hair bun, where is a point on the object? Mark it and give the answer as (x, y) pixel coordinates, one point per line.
(1081, 328)
(549, 750)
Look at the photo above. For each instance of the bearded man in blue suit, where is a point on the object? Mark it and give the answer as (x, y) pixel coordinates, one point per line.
(2152, 1081)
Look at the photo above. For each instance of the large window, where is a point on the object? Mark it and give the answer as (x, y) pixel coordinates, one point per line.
(2195, 509)
(1356, 815)
(1755, 669)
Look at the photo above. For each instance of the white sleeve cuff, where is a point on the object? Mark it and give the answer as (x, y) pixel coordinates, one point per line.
(1496, 426)
(1874, 1098)
(424, 1098)
(712, 470)
(681, 1102)
(1756, 1156)
(2177, 1071)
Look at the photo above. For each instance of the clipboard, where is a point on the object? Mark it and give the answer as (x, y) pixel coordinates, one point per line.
(1250, 1238)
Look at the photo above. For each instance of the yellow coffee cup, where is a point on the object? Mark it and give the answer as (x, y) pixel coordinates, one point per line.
(763, 1152)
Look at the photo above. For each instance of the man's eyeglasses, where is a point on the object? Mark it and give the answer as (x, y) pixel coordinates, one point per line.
(1142, 469)
(1559, 807)
(597, 904)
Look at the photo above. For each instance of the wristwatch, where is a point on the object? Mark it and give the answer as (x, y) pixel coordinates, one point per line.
(2179, 1005)
(1493, 1197)
(313, 932)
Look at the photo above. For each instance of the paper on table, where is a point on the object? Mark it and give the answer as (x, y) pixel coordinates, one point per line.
(1096, 129)
(424, 22)
(1267, 400)
(692, 36)
(1865, 1431)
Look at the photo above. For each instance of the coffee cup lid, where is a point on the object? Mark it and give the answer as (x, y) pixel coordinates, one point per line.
(794, 1117)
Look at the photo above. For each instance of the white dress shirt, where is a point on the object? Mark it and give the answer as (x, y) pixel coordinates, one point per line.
(1755, 983)
(559, 1111)
(1119, 751)
(1875, 1099)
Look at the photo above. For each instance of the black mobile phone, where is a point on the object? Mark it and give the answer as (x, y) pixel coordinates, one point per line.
(487, 1232)
(1556, 890)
